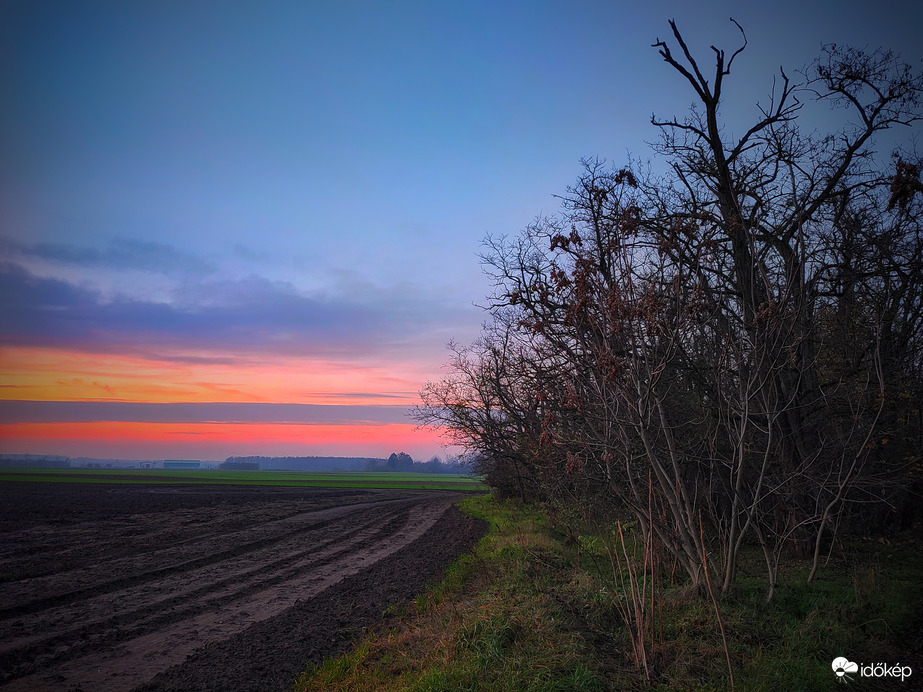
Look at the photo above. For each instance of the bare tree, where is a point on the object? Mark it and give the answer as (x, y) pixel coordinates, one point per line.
(729, 340)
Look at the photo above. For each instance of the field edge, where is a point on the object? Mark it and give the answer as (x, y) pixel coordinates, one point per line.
(527, 610)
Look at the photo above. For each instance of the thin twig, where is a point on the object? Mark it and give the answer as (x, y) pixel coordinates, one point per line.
(727, 653)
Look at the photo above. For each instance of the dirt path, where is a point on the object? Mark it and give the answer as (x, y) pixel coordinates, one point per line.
(111, 587)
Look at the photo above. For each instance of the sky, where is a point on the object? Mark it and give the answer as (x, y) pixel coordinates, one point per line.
(251, 228)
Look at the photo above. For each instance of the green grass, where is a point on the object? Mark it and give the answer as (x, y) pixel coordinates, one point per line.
(491, 624)
(370, 479)
(527, 612)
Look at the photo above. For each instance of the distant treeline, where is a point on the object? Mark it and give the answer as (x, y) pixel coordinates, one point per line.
(239, 465)
(396, 462)
(34, 461)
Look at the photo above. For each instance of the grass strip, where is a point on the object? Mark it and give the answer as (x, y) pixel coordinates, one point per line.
(491, 624)
(526, 611)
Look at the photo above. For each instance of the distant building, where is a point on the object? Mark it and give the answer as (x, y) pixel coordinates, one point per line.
(147, 465)
(182, 464)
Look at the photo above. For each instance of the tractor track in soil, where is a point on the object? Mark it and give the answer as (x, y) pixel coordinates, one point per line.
(205, 587)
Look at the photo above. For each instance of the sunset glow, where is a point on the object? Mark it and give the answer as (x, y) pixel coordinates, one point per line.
(57, 375)
(49, 374)
(215, 440)
(285, 203)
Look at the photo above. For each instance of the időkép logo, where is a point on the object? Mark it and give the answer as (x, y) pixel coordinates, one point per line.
(845, 669)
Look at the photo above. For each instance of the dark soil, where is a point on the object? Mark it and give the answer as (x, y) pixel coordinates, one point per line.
(271, 654)
(196, 587)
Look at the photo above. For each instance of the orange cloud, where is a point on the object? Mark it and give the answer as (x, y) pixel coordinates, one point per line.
(49, 374)
(216, 440)
(54, 374)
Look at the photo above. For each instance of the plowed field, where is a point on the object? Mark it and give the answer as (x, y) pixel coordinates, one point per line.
(195, 587)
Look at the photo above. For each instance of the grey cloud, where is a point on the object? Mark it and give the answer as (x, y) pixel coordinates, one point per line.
(118, 253)
(359, 395)
(253, 315)
(15, 411)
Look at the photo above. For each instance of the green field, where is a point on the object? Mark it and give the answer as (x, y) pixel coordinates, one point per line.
(311, 479)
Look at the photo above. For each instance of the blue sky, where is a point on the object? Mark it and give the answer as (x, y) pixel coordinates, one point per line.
(254, 183)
